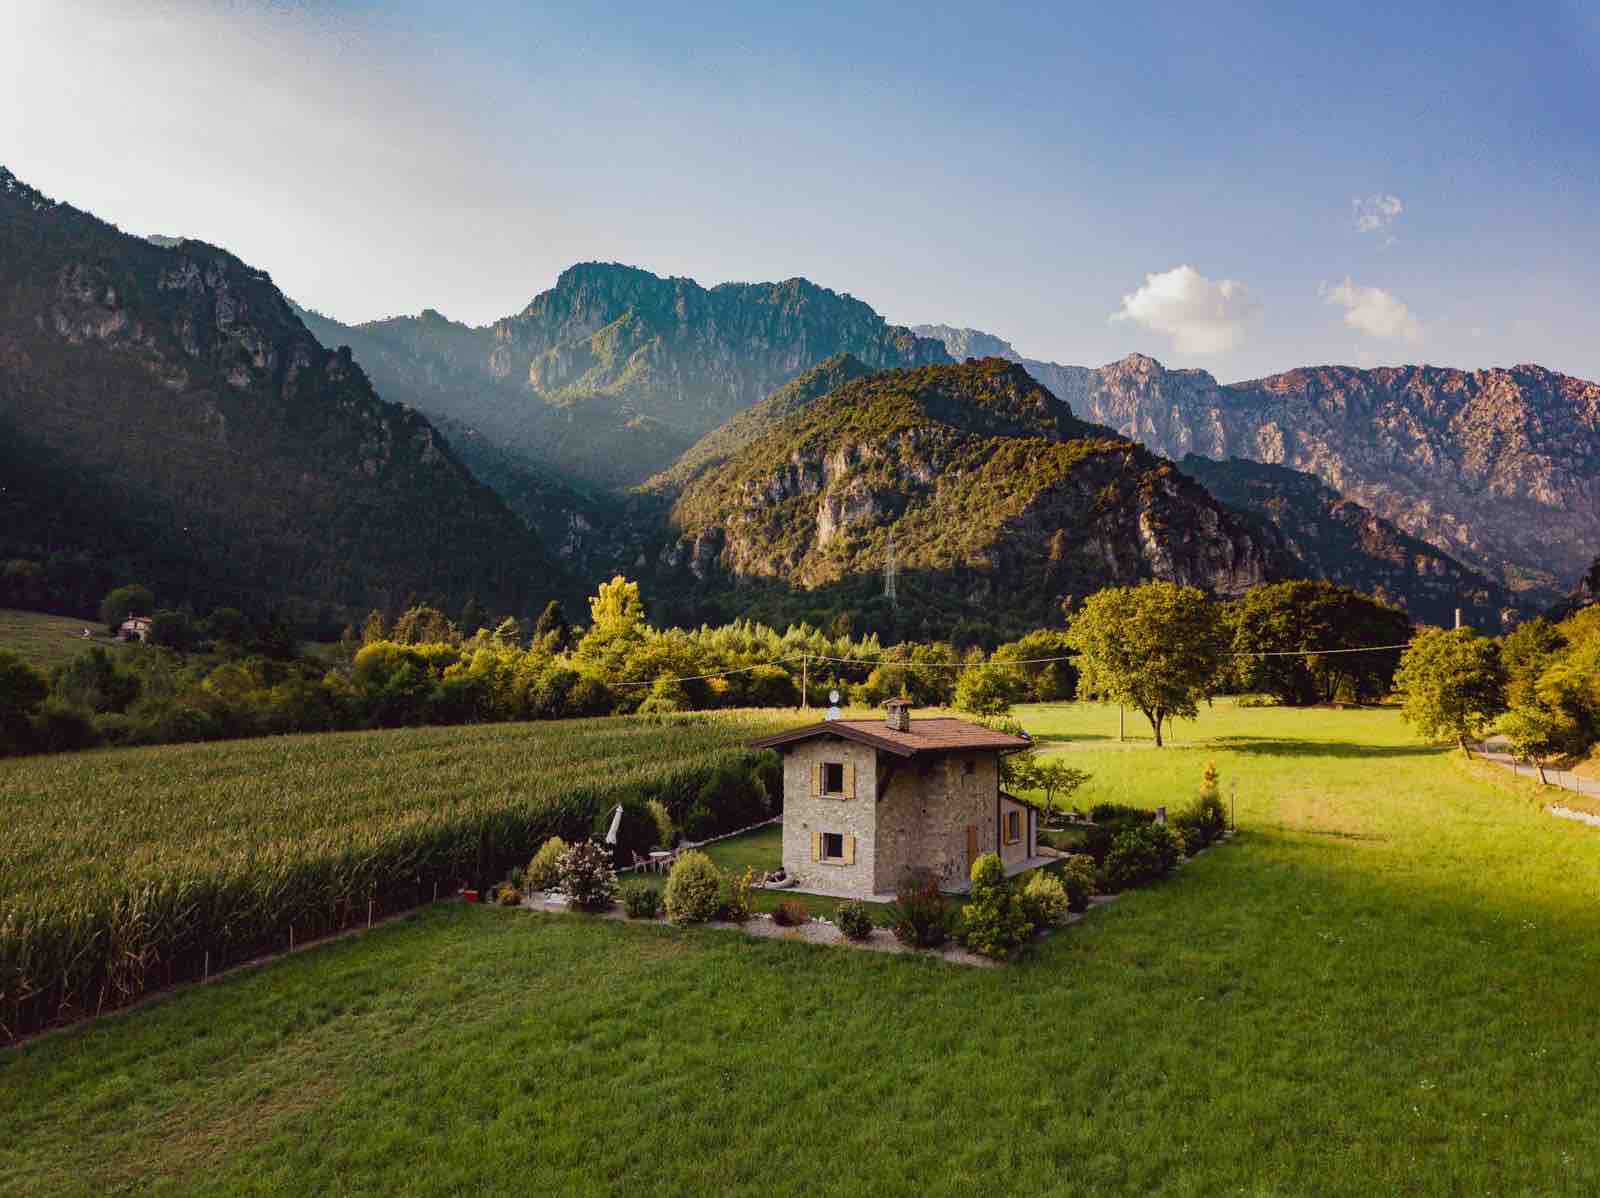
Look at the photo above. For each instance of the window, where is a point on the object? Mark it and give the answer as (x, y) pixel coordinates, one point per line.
(833, 778)
(969, 766)
(1013, 827)
(833, 846)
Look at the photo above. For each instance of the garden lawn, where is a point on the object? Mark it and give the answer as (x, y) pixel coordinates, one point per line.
(1385, 985)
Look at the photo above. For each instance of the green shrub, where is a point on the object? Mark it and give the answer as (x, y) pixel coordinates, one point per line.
(1111, 813)
(1044, 900)
(854, 920)
(1077, 878)
(918, 916)
(586, 876)
(59, 728)
(543, 871)
(791, 913)
(640, 899)
(993, 922)
(662, 818)
(1142, 853)
(694, 888)
(734, 905)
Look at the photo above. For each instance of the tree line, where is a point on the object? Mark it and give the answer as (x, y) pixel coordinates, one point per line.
(1160, 648)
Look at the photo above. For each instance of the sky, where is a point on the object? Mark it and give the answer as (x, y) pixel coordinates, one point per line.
(1241, 188)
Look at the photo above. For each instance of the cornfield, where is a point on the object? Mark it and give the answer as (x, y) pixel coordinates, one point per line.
(125, 871)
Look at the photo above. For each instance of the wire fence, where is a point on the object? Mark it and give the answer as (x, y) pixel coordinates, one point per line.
(1565, 779)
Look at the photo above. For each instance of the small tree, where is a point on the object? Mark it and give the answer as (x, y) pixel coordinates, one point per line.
(123, 602)
(1158, 647)
(425, 626)
(986, 690)
(375, 628)
(1451, 684)
(172, 630)
(22, 690)
(551, 630)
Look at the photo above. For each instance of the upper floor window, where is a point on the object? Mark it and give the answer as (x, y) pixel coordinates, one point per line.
(833, 777)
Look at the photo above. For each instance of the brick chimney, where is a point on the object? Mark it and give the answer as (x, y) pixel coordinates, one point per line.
(897, 714)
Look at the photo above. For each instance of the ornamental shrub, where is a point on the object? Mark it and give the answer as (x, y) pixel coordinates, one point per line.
(694, 888)
(1077, 879)
(918, 916)
(735, 902)
(993, 922)
(854, 920)
(1111, 813)
(586, 876)
(542, 872)
(791, 913)
(1044, 900)
(508, 895)
(662, 818)
(640, 899)
(1142, 853)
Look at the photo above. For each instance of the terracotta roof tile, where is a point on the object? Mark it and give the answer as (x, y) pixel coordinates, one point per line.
(933, 734)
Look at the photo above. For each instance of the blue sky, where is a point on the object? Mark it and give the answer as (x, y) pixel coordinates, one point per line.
(1242, 189)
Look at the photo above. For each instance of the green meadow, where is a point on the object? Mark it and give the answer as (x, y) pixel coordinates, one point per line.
(1385, 984)
(45, 641)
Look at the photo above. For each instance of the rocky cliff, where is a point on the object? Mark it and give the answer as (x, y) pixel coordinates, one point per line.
(1338, 540)
(196, 433)
(1496, 468)
(999, 502)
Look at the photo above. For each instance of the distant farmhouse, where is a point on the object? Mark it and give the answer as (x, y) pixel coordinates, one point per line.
(134, 628)
(867, 804)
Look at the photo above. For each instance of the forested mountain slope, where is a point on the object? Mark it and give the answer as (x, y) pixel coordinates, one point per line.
(166, 416)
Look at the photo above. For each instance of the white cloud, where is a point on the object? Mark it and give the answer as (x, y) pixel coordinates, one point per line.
(1374, 214)
(1373, 311)
(1201, 316)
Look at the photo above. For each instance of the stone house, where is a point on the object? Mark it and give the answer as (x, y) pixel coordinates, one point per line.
(868, 803)
(134, 628)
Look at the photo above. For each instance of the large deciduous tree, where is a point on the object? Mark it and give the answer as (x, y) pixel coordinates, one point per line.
(1311, 642)
(1451, 684)
(1158, 647)
(134, 600)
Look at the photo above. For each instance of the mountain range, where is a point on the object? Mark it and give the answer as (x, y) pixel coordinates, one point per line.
(166, 417)
(1496, 468)
(745, 448)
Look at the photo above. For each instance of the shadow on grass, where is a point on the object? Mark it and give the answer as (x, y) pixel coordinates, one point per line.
(1279, 747)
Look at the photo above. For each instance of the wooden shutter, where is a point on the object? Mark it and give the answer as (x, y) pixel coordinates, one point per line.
(816, 846)
(849, 781)
(816, 779)
(849, 850)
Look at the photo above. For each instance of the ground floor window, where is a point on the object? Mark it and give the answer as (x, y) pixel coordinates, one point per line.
(1013, 827)
(833, 846)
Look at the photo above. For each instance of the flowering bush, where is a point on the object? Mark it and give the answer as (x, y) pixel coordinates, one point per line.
(694, 888)
(508, 895)
(542, 872)
(854, 920)
(586, 876)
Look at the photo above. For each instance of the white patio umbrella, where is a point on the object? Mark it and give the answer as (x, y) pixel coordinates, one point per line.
(616, 825)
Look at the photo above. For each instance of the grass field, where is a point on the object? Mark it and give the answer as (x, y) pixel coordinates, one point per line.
(49, 641)
(1387, 984)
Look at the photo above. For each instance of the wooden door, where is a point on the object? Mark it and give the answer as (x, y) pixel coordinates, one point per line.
(972, 847)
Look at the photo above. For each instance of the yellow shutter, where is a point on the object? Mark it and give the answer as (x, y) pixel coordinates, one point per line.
(816, 778)
(849, 850)
(816, 846)
(849, 781)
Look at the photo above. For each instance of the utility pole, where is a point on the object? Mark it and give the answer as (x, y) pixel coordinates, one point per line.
(1122, 723)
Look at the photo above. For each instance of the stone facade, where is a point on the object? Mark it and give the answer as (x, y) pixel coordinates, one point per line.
(937, 814)
(807, 815)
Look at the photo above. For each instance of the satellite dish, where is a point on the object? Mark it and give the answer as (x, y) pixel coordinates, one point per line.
(833, 697)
